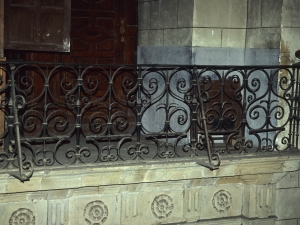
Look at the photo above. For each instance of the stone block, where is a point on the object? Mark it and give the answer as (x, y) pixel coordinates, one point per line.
(256, 56)
(258, 221)
(218, 56)
(185, 13)
(221, 201)
(14, 185)
(191, 204)
(286, 222)
(59, 182)
(290, 13)
(94, 209)
(290, 44)
(150, 38)
(233, 38)
(287, 206)
(24, 212)
(164, 55)
(220, 13)
(207, 37)
(254, 14)
(290, 180)
(161, 206)
(259, 201)
(178, 37)
(144, 15)
(164, 14)
(271, 13)
(268, 38)
(130, 211)
(58, 212)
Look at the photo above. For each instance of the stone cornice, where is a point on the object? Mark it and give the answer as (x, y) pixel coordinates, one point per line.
(242, 169)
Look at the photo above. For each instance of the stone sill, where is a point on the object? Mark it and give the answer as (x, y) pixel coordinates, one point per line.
(262, 169)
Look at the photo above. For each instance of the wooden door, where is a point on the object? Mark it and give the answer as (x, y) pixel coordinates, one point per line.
(101, 32)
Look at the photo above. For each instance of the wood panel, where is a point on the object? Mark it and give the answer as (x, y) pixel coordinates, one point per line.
(37, 25)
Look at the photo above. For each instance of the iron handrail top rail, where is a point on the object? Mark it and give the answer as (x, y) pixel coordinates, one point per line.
(163, 66)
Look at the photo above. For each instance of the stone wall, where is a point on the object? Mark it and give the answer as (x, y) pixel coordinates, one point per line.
(290, 31)
(226, 32)
(245, 190)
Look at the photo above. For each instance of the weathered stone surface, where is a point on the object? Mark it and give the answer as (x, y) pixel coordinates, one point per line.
(95, 209)
(13, 185)
(290, 180)
(178, 37)
(261, 56)
(290, 13)
(24, 212)
(163, 14)
(220, 13)
(286, 222)
(192, 203)
(150, 38)
(144, 15)
(263, 38)
(185, 13)
(271, 13)
(221, 201)
(290, 44)
(207, 37)
(162, 206)
(289, 203)
(58, 212)
(163, 193)
(164, 55)
(254, 14)
(233, 38)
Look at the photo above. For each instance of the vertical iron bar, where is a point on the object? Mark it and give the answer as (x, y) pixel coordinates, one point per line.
(193, 131)
(139, 106)
(21, 176)
(244, 112)
(211, 155)
(297, 108)
(78, 116)
(10, 122)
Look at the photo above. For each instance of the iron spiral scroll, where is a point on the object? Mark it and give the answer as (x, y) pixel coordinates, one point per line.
(73, 115)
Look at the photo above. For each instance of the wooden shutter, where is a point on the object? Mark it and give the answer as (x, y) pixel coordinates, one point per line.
(37, 25)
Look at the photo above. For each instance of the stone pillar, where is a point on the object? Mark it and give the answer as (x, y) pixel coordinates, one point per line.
(2, 58)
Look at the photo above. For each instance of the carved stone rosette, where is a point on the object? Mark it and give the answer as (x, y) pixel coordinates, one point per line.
(95, 212)
(22, 216)
(162, 206)
(222, 201)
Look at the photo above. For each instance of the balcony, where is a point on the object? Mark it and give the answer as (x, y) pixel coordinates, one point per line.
(72, 116)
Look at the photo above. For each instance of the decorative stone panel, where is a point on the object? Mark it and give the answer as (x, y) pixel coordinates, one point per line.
(159, 207)
(28, 212)
(192, 204)
(58, 212)
(95, 209)
(221, 201)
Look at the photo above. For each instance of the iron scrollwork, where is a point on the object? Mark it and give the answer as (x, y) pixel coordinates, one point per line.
(69, 115)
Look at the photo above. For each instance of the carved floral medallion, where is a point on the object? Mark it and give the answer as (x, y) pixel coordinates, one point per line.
(222, 201)
(22, 216)
(95, 212)
(162, 206)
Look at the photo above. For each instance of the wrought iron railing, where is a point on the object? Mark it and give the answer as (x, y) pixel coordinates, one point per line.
(75, 115)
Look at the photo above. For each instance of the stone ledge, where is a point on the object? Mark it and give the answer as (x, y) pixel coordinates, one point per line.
(234, 169)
